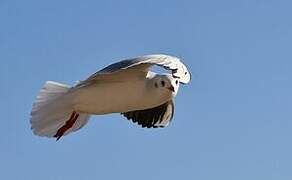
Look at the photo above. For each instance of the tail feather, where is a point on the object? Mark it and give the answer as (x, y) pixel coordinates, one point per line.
(52, 109)
(50, 91)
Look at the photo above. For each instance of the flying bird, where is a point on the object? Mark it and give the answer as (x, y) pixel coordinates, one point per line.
(127, 87)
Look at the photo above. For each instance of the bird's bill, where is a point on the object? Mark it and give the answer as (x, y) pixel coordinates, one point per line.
(171, 88)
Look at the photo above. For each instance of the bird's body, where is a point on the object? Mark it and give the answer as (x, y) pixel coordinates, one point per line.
(126, 87)
(117, 96)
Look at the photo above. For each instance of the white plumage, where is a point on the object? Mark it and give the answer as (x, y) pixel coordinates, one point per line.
(52, 109)
(126, 87)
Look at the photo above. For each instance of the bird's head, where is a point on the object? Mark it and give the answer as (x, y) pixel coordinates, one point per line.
(166, 84)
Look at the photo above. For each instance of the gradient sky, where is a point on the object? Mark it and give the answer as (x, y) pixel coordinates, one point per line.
(234, 121)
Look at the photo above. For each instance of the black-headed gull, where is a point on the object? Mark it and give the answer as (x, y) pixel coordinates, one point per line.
(127, 87)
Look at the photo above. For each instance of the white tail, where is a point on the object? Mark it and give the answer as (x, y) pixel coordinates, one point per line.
(52, 110)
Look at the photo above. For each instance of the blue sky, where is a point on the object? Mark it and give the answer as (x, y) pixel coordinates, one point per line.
(233, 121)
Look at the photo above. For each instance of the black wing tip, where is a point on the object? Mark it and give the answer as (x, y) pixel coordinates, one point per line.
(152, 118)
(145, 125)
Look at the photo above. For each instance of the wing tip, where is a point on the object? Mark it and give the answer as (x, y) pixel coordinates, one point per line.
(157, 117)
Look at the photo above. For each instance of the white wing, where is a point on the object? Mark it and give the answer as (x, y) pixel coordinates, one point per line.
(143, 63)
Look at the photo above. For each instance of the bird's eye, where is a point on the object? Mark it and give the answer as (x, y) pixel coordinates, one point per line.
(176, 82)
(163, 83)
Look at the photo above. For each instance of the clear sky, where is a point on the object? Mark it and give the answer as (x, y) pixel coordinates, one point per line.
(234, 121)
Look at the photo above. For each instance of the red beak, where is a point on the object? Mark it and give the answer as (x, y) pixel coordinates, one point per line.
(171, 88)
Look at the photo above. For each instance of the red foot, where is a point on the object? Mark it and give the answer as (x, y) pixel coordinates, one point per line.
(69, 123)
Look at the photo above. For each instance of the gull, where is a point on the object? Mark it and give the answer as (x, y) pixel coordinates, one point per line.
(127, 87)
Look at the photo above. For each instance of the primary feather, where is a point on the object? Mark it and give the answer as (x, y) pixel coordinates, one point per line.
(172, 63)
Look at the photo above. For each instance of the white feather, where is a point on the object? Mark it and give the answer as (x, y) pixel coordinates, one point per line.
(52, 109)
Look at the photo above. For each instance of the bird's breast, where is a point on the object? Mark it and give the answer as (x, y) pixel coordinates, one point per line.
(104, 98)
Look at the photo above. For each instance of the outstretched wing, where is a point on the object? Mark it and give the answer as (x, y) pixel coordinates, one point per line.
(159, 116)
(143, 63)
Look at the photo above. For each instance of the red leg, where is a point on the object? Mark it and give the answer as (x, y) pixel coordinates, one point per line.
(69, 123)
